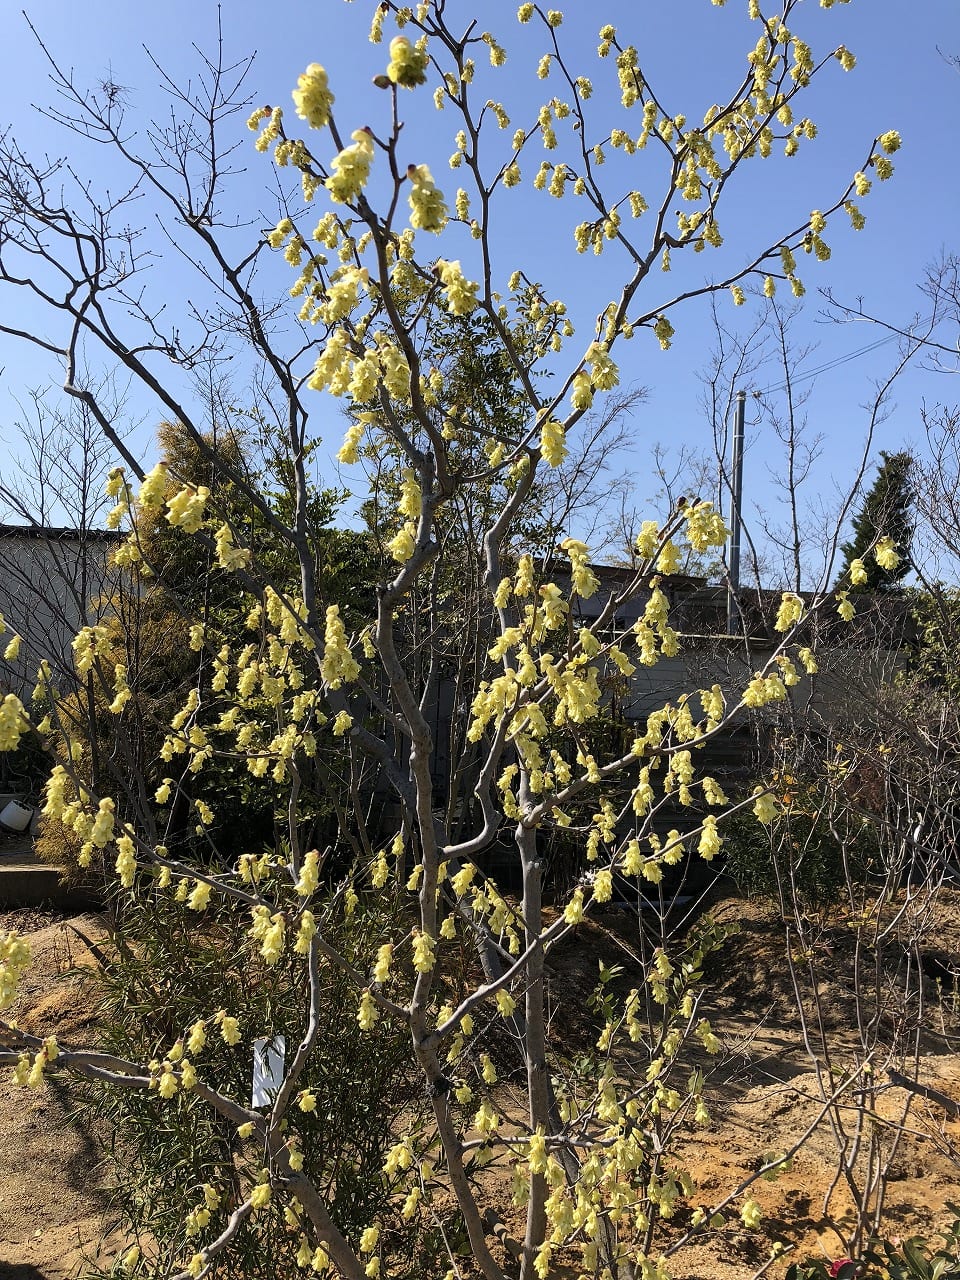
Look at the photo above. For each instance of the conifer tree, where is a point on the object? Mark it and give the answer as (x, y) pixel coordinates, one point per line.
(887, 512)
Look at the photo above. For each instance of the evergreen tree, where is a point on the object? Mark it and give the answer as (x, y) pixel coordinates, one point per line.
(887, 512)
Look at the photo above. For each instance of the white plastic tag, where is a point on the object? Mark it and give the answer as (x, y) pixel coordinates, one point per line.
(268, 1056)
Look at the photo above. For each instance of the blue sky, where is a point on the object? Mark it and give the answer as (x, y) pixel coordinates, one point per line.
(692, 52)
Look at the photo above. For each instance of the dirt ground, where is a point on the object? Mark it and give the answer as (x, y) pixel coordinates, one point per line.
(54, 1211)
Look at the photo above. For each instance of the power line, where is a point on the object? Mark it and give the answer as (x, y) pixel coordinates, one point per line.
(841, 360)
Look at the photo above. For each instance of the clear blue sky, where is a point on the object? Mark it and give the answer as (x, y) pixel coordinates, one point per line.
(691, 51)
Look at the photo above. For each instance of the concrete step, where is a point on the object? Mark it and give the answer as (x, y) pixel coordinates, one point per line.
(24, 884)
(27, 882)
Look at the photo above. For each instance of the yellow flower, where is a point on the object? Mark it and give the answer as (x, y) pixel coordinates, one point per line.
(403, 544)
(368, 1014)
(581, 391)
(705, 526)
(427, 206)
(229, 1028)
(153, 487)
(199, 899)
(126, 864)
(342, 724)
(668, 560)
(603, 886)
(751, 1214)
(14, 960)
(858, 572)
(424, 948)
(505, 1003)
(585, 582)
(312, 97)
(552, 446)
(351, 168)
(13, 722)
(790, 611)
(806, 656)
(130, 1259)
(408, 63)
(260, 1195)
(765, 807)
(885, 555)
(573, 912)
(271, 947)
(230, 557)
(185, 509)
(309, 877)
(349, 452)
(338, 666)
(709, 845)
(167, 1086)
(664, 331)
(461, 292)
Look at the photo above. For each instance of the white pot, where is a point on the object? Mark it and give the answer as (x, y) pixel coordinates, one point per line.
(15, 816)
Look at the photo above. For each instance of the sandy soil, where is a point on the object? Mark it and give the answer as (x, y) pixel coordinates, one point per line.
(54, 1212)
(52, 1206)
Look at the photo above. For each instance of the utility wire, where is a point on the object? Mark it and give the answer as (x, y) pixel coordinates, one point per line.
(837, 361)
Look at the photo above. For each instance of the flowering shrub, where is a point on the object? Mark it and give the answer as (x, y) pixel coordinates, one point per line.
(587, 1169)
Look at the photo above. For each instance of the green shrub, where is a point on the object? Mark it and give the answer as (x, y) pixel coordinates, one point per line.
(806, 855)
(162, 970)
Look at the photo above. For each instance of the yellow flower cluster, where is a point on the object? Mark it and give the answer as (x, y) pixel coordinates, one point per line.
(229, 556)
(845, 606)
(764, 689)
(424, 952)
(349, 452)
(88, 644)
(229, 1027)
(408, 63)
(585, 581)
(14, 961)
(351, 168)
(122, 691)
(309, 879)
(404, 543)
(13, 722)
(885, 554)
(31, 1075)
(185, 509)
(705, 526)
(338, 665)
(765, 806)
(428, 210)
(312, 97)
(790, 611)
(368, 1015)
(461, 293)
(153, 488)
(710, 842)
